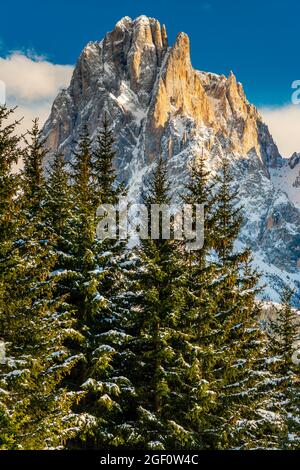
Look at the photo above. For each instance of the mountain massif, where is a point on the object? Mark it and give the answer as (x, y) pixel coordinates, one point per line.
(159, 104)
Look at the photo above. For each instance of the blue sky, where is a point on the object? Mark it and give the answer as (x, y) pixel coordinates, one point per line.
(258, 40)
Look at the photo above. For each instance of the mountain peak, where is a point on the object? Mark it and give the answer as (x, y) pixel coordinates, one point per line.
(143, 19)
(124, 22)
(159, 104)
(140, 21)
(161, 80)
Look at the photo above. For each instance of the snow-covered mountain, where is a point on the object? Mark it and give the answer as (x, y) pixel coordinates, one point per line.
(158, 104)
(286, 177)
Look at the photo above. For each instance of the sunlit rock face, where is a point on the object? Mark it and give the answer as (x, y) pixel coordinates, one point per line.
(159, 104)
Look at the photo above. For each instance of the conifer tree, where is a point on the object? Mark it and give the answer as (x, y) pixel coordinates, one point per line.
(155, 358)
(104, 173)
(84, 283)
(93, 281)
(237, 337)
(199, 318)
(9, 186)
(111, 252)
(59, 209)
(83, 278)
(284, 365)
(158, 349)
(41, 324)
(9, 223)
(106, 383)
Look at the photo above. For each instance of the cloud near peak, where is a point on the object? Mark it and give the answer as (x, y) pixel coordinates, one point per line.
(284, 125)
(32, 79)
(32, 83)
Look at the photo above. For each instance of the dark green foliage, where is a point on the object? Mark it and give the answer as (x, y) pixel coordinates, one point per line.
(36, 326)
(91, 277)
(104, 173)
(284, 365)
(9, 223)
(155, 360)
(222, 321)
(237, 339)
(154, 347)
(198, 321)
(59, 208)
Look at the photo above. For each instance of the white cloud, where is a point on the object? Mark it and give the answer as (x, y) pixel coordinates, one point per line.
(32, 78)
(284, 124)
(27, 113)
(32, 83)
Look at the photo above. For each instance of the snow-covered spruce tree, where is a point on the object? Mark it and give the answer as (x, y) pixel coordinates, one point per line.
(106, 380)
(200, 191)
(283, 362)
(107, 188)
(93, 283)
(237, 338)
(198, 320)
(9, 224)
(155, 358)
(38, 358)
(84, 278)
(59, 213)
(110, 251)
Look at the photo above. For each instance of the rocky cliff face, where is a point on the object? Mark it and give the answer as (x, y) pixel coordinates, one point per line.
(158, 104)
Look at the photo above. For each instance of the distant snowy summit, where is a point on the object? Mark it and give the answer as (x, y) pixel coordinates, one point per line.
(159, 104)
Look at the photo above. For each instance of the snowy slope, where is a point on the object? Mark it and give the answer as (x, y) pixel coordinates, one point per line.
(287, 178)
